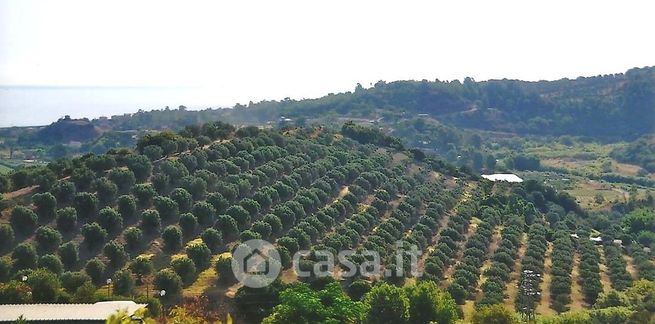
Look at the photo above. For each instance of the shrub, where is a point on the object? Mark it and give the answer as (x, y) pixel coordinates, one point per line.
(69, 254)
(24, 257)
(52, 263)
(185, 268)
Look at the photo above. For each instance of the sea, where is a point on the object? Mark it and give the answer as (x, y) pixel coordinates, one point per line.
(36, 106)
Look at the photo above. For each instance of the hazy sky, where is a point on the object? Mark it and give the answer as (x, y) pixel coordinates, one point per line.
(273, 49)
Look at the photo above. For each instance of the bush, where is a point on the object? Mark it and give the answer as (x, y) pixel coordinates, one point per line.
(224, 270)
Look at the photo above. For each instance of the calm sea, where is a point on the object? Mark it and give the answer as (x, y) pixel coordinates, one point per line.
(31, 106)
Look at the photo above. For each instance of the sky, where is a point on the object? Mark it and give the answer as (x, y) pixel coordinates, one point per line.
(254, 50)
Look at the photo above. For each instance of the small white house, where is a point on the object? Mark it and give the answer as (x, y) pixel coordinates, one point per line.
(596, 240)
(508, 177)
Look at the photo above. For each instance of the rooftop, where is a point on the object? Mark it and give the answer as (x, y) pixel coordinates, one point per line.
(99, 311)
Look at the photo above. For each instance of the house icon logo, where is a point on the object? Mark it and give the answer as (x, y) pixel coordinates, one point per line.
(256, 263)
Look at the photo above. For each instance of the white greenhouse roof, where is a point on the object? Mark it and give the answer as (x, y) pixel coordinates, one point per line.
(99, 311)
(509, 177)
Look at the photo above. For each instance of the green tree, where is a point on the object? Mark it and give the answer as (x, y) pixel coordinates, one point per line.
(228, 227)
(205, 213)
(141, 267)
(300, 304)
(95, 269)
(64, 191)
(428, 304)
(140, 165)
(71, 281)
(23, 220)
(200, 254)
(172, 237)
(150, 221)
(123, 178)
(144, 193)
(116, 254)
(106, 190)
(133, 238)
(185, 268)
(46, 205)
(386, 304)
(47, 239)
(6, 236)
(182, 198)
(45, 286)
(86, 204)
(168, 280)
(110, 220)
(126, 206)
(94, 235)
(67, 219)
(188, 223)
(5, 268)
(213, 239)
(24, 257)
(224, 270)
(52, 263)
(240, 215)
(166, 207)
(123, 283)
(69, 254)
(495, 314)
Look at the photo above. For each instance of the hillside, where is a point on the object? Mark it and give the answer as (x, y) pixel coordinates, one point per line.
(170, 217)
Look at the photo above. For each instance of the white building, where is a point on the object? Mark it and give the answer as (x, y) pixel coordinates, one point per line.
(509, 177)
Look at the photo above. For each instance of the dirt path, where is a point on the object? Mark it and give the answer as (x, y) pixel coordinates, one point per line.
(604, 276)
(512, 286)
(544, 304)
(630, 266)
(577, 297)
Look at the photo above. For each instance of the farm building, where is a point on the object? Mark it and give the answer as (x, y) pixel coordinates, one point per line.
(509, 177)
